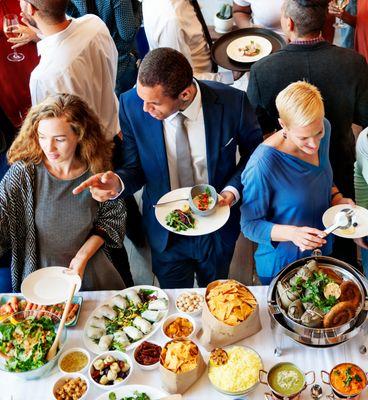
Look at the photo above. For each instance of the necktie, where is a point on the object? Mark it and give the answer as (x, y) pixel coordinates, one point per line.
(183, 156)
(206, 32)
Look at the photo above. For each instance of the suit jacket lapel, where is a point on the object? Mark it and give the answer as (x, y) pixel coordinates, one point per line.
(212, 113)
(157, 145)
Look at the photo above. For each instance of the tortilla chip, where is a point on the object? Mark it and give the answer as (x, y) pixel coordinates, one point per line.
(180, 356)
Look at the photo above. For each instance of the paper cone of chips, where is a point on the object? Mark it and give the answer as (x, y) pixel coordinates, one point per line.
(181, 364)
(230, 313)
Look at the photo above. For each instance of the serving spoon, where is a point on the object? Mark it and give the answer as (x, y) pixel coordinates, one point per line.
(53, 349)
(343, 220)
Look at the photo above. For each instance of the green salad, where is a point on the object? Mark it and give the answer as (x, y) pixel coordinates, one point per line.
(26, 342)
(136, 396)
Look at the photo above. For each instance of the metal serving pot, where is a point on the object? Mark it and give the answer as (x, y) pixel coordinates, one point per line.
(336, 394)
(274, 393)
(318, 336)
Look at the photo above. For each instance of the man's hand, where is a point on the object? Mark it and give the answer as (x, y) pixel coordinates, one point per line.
(102, 186)
(334, 10)
(27, 33)
(227, 198)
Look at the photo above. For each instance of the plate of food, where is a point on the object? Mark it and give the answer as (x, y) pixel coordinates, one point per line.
(359, 220)
(11, 304)
(234, 370)
(49, 285)
(249, 48)
(178, 217)
(134, 392)
(126, 320)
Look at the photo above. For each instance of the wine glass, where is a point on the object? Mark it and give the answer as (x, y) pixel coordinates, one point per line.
(10, 26)
(340, 4)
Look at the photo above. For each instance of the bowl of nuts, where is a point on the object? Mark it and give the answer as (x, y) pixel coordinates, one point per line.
(189, 303)
(71, 386)
(110, 369)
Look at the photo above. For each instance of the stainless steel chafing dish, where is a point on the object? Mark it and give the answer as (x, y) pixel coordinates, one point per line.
(318, 337)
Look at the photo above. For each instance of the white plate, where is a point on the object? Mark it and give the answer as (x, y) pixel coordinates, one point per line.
(233, 52)
(129, 390)
(93, 347)
(361, 217)
(49, 286)
(203, 225)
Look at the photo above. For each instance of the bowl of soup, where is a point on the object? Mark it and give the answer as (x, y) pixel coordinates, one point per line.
(286, 380)
(203, 200)
(347, 380)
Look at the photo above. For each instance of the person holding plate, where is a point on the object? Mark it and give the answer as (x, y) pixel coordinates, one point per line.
(288, 184)
(179, 132)
(60, 144)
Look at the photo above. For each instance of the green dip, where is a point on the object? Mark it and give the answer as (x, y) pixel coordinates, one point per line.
(286, 379)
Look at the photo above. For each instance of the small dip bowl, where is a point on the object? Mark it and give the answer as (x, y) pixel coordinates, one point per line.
(190, 303)
(196, 191)
(63, 380)
(171, 318)
(74, 360)
(147, 367)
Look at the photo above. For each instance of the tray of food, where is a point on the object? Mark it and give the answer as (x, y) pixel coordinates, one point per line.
(319, 296)
(126, 320)
(10, 304)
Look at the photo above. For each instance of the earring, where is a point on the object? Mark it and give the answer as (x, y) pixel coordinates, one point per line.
(284, 135)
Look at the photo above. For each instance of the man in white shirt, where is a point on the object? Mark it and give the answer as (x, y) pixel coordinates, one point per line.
(179, 132)
(78, 56)
(174, 23)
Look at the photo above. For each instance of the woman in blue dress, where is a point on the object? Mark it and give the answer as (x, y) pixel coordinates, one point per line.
(288, 184)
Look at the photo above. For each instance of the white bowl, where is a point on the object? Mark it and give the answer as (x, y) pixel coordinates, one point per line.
(193, 313)
(171, 318)
(148, 367)
(66, 352)
(61, 381)
(118, 355)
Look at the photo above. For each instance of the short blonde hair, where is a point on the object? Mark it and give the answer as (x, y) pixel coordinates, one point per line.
(93, 148)
(300, 104)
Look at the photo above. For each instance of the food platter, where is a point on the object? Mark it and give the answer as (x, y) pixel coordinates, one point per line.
(112, 326)
(203, 224)
(219, 49)
(129, 390)
(236, 49)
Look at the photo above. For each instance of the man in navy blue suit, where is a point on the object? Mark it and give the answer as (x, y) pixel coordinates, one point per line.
(179, 132)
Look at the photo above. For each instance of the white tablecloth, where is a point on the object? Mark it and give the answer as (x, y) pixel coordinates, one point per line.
(306, 358)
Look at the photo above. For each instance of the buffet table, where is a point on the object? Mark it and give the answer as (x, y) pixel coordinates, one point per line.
(263, 342)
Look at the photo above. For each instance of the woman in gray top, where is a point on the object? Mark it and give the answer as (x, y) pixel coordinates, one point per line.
(41, 221)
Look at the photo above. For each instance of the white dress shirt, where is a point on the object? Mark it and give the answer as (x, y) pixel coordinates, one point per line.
(80, 60)
(174, 23)
(194, 124)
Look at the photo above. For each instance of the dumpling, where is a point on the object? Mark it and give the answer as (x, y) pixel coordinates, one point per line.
(296, 310)
(133, 297)
(106, 311)
(121, 338)
(304, 272)
(143, 325)
(151, 315)
(287, 296)
(312, 317)
(105, 342)
(159, 304)
(95, 333)
(134, 333)
(119, 301)
(98, 322)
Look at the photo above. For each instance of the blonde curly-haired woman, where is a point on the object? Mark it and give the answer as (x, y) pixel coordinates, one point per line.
(59, 145)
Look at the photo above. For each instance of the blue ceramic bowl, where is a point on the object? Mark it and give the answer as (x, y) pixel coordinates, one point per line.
(197, 190)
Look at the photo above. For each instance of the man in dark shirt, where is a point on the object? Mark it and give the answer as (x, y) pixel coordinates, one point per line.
(340, 74)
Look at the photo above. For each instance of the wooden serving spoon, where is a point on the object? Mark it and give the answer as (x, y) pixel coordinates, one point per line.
(53, 349)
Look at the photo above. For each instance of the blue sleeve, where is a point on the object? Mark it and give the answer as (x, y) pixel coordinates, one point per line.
(255, 205)
(128, 165)
(250, 136)
(125, 19)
